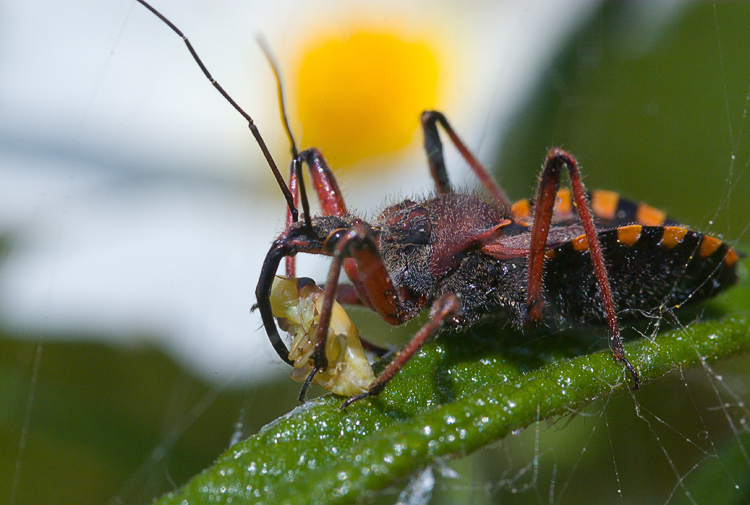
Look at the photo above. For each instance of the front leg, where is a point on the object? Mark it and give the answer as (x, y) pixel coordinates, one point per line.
(325, 185)
(354, 243)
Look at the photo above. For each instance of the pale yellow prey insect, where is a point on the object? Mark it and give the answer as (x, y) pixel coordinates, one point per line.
(296, 304)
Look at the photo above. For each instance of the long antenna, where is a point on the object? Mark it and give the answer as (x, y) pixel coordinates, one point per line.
(280, 92)
(296, 161)
(250, 122)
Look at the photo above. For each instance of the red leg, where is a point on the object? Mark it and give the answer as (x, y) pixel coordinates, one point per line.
(434, 148)
(445, 308)
(347, 295)
(290, 218)
(330, 196)
(324, 183)
(356, 243)
(548, 185)
(549, 182)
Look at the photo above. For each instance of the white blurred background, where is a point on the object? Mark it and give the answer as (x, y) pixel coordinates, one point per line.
(136, 203)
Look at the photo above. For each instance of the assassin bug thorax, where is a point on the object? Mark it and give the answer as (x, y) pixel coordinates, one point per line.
(568, 255)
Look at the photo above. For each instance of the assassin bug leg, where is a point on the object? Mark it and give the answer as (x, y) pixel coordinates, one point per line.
(290, 261)
(324, 183)
(356, 243)
(445, 308)
(434, 149)
(549, 184)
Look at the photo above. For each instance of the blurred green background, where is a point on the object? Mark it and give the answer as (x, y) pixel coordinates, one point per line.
(659, 118)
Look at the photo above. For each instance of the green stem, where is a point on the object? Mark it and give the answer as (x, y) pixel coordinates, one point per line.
(440, 405)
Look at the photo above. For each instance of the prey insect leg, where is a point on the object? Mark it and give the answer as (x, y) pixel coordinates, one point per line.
(557, 159)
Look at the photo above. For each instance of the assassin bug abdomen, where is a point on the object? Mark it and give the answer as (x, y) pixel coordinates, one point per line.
(567, 256)
(652, 269)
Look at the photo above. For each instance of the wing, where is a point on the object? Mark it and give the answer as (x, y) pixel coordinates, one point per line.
(609, 209)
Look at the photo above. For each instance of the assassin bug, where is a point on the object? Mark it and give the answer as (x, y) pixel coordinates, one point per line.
(567, 255)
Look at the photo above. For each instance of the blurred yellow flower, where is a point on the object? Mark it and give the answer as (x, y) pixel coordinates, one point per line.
(361, 95)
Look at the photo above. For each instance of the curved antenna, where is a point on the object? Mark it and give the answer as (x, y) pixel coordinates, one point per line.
(250, 123)
(296, 162)
(279, 92)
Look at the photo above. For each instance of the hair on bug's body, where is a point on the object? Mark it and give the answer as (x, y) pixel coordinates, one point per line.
(567, 255)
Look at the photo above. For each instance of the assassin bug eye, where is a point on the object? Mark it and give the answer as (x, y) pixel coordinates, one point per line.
(417, 227)
(333, 238)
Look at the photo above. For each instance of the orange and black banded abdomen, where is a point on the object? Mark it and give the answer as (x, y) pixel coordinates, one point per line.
(608, 207)
(650, 269)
